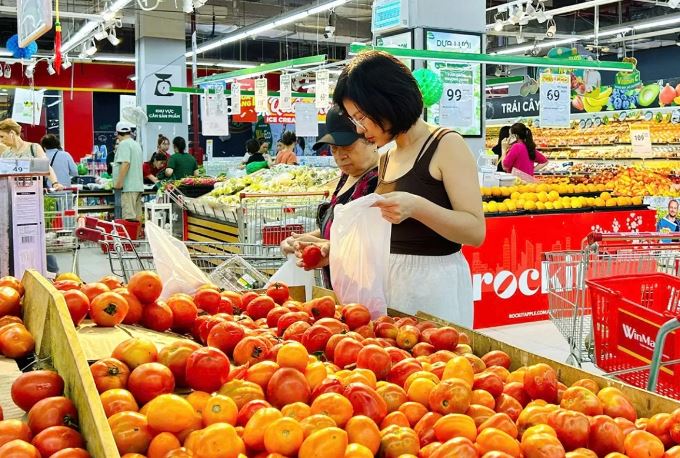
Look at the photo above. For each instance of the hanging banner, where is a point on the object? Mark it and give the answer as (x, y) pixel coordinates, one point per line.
(235, 98)
(456, 107)
(306, 123)
(248, 113)
(286, 91)
(214, 116)
(27, 106)
(323, 83)
(555, 106)
(261, 95)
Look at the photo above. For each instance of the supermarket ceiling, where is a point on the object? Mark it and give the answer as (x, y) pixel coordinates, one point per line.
(517, 27)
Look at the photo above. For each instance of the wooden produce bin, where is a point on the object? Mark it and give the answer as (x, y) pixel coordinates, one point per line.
(46, 317)
(645, 402)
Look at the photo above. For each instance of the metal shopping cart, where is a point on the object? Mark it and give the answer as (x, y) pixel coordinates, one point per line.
(565, 275)
(60, 217)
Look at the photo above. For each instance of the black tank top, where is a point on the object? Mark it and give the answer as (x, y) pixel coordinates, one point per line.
(411, 236)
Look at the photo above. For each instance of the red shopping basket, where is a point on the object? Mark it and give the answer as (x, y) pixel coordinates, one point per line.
(627, 312)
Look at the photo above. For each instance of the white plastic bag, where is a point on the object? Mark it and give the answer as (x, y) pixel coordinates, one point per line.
(360, 252)
(292, 275)
(173, 263)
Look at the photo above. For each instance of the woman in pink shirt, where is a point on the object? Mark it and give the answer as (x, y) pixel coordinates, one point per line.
(522, 154)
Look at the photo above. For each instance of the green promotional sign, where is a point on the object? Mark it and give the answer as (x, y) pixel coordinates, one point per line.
(164, 113)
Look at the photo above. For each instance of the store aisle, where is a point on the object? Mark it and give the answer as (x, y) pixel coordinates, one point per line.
(93, 264)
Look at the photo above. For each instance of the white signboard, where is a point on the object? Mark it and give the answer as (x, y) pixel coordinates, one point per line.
(456, 107)
(306, 123)
(323, 82)
(261, 98)
(34, 19)
(286, 92)
(27, 106)
(214, 116)
(235, 98)
(555, 101)
(398, 40)
(641, 140)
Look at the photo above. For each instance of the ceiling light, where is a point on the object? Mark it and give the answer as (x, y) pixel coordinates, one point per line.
(552, 29)
(498, 26)
(85, 31)
(8, 71)
(661, 22)
(30, 70)
(91, 50)
(101, 33)
(50, 68)
(66, 64)
(520, 36)
(113, 39)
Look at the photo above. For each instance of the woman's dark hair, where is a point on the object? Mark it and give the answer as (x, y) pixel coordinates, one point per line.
(50, 141)
(383, 88)
(158, 157)
(162, 138)
(180, 144)
(288, 138)
(252, 146)
(502, 135)
(301, 142)
(523, 133)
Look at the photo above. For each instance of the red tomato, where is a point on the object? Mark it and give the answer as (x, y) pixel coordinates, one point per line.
(376, 359)
(72, 453)
(175, 357)
(289, 318)
(14, 429)
(287, 386)
(208, 299)
(34, 386)
(225, 335)
(198, 325)
(108, 309)
(111, 281)
(315, 338)
(540, 381)
(66, 285)
(311, 256)
(250, 350)
(53, 411)
(402, 369)
(135, 351)
(246, 298)
(16, 341)
(323, 307)
(328, 385)
(226, 306)
(278, 292)
(150, 380)
(157, 316)
(296, 330)
(605, 436)
(355, 315)
(346, 352)
(135, 308)
(109, 373)
(184, 312)
(19, 449)
(259, 307)
(146, 286)
(572, 428)
(249, 409)
(51, 440)
(207, 369)
(10, 301)
(93, 290)
(366, 401)
(78, 305)
(14, 283)
(444, 338)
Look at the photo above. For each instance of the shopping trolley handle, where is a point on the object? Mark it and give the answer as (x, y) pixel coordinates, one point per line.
(595, 237)
(245, 195)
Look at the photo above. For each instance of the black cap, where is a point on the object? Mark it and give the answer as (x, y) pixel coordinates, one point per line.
(340, 130)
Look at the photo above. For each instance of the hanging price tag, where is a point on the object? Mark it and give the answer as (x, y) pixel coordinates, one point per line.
(323, 98)
(235, 98)
(214, 116)
(286, 91)
(306, 122)
(456, 107)
(555, 102)
(641, 140)
(261, 97)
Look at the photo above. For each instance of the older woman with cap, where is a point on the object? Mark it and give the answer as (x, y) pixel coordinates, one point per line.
(357, 159)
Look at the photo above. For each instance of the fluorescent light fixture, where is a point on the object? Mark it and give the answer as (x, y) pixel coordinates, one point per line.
(542, 45)
(290, 19)
(113, 39)
(114, 58)
(658, 23)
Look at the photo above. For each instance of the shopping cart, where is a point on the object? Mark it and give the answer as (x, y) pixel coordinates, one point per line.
(61, 216)
(565, 275)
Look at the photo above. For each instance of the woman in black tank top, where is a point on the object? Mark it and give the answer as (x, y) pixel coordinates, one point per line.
(429, 181)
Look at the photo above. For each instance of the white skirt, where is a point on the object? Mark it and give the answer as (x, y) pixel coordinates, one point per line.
(438, 285)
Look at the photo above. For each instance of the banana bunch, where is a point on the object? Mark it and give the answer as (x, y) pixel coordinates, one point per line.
(594, 100)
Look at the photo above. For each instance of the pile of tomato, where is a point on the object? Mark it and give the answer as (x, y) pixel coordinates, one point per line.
(15, 340)
(280, 378)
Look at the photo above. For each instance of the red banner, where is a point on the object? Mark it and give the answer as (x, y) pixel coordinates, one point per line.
(248, 113)
(507, 273)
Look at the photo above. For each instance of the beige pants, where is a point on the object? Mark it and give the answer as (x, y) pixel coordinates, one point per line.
(131, 205)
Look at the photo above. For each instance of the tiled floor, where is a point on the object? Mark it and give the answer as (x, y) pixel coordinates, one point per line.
(542, 338)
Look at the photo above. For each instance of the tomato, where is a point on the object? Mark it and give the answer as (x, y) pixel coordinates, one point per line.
(208, 299)
(9, 319)
(605, 436)
(19, 449)
(295, 331)
(150, 380)
(497, 358)
(111, 281)
(287, 386)
(66, 285)
(157, 316)
(346, 352)
(146, 286)
(234, 298)
(34, 386)
(118, 400)
(260, 306)
(242, 391)
(572, 428)
(207, 369)
(13, 283)
(459, 447)
(401, 370)
(131, 432)
(78, 305)
(72, 453)
(366, 401)
(398, 441)
(362, 430)
(542, 445)
(450, 396)
(278, 292)
(55, 438)
(109, 373)
(500, 421)
(250, 350)
(170, 413)
(540, 381)
(615, 404)
(248, 409)
(355, 315)
(376, 359)
(489, 382)
(581, 400)
(322, 307)
(53, 411)
(311, 256)
(108, 309)
(93, 290)
(16, 341)
(184, 311)
(225, 335)
(660, 426)
(325, 443)
(642, 444)
(517, 391)
(135, 308)
(283, 436)
(218, 441)
(315, 338)
(175, 357)
(14, 429)
(288, 319)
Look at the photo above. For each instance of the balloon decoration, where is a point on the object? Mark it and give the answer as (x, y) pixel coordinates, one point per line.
(18, 52)
(430, 85)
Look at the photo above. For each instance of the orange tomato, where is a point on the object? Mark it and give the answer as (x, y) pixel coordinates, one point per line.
(326, 443)
(253, 434)
(170, 413)
(363, 430)
(398, 441)
(452, 395)
(479, 413)
(131, 432)
(335, 406)
(217, 441)
(242, 391)
(293, 354)
(315, 423)
(420, 374)
(414, 411)
(394, 395)
(359, 375)
(261, 372)
(297, 411)
(283, 436)
(358, 451)
(315, 373)
(198, 400)
(483, 398)
(220, 409)
(502, 422)
(541, 445)
(455, 425)
(492, 439)
(419, 390)
(639, 444)
(459, 447)
(162, 444)
(118, 400)
(181, 452)
(459, 367)
(395, 418)
(581, 453)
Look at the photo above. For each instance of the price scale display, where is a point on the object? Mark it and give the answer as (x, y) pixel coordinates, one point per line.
(555, 103)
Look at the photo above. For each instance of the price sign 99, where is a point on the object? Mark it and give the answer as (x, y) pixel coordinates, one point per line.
(454, 95)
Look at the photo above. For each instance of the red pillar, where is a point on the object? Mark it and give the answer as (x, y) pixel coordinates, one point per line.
(78, 123)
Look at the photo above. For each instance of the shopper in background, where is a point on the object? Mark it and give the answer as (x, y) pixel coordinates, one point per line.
(110, 157)
(155, 165)
(163, 145)
(181, 164)
(253, 147)
(357, 159)
(287, 153)
(61, 162)
(521, 153)
(127, 173)
(264, 147)
(498, 149)
(18, 148)
(430, 185)
(300, 146)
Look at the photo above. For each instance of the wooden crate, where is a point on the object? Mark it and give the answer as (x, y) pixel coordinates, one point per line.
(646, 403)
(46, 317)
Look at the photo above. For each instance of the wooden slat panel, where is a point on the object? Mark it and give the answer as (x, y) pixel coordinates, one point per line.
(216, 225)
(199, 234)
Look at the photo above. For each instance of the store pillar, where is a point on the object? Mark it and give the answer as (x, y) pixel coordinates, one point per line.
(160, 49)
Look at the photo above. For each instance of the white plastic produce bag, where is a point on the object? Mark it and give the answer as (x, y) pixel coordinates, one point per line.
(360, 251)
(173, 263)
(292, 275)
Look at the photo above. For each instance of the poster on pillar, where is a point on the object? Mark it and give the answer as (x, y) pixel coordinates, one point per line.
(463, 82)
(157, 94)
